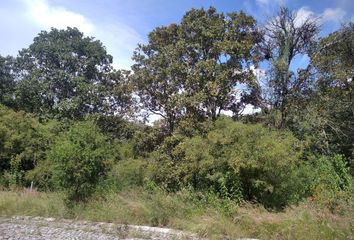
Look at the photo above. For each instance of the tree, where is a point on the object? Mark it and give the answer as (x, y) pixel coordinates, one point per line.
(7, 80)
(333, 60)
(81, 157)
(287, 36)
(193, 68)
(66, 75)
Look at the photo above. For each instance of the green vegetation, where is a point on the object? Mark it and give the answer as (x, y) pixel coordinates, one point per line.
(71, 127)
(206, 215)
(191, 69)
(23, 143)
(80, 158)
(234, 160)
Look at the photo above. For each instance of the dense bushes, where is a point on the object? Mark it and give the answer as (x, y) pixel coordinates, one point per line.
(234, 160)
(249, 162)
(50, 156)
(228, 159)
(23, 142)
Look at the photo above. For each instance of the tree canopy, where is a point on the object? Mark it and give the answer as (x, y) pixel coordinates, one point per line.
(194, 68)
(66, 75)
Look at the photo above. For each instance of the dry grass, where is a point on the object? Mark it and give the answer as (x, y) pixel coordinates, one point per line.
(31, 203)
(212, 218)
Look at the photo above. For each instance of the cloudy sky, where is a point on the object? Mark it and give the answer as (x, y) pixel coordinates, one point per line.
(121, 25)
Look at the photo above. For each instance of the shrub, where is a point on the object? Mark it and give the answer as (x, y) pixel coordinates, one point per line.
(331, 182)
(23, 142)
(81, 157)
(236, 161)
(125, 174)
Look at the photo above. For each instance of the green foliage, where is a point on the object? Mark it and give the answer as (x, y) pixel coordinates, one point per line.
(23, 142)
(7, 80)
(333, 56)
(130, 139)
(334, 96)
(124, 174)
(331, 182)
(191, 69)
(115, 127)
(332, 172)
(81, 157)
(234, 160)
(63, 74)
(146, 140)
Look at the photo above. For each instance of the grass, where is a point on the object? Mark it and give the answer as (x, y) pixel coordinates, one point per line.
(207, 216)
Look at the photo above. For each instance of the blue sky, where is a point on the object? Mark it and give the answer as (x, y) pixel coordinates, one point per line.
(121, 25)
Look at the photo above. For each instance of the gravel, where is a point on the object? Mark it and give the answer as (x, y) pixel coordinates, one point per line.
(38, 228)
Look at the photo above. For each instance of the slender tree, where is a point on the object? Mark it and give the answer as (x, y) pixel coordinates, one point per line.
(286, 36)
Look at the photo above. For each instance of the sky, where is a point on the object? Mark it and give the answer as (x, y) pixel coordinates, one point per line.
(121, 25)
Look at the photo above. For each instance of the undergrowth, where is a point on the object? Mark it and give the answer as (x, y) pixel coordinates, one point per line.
(204, 214)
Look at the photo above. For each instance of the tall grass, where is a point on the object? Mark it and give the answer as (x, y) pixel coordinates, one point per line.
(204, 214)
(31, 203)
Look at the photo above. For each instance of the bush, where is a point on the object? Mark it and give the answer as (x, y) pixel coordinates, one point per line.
(81, 157)
(125, 174)
(331, 183)
(236, 161)
(23, 143)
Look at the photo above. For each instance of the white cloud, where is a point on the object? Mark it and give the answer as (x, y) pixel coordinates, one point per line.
(48, 16)
(266, 8)
(17, 31)
(302, 15)
(248, 110)
(333, 14)
(328, 15)
(119, 38)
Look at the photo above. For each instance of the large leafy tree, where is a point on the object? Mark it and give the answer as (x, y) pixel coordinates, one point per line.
(193, 68)
(65, 75)
(287, 36)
